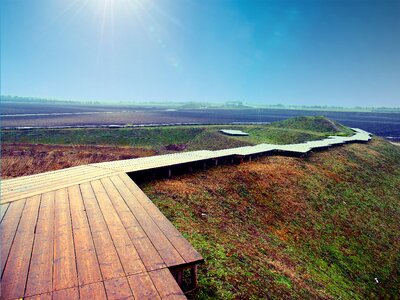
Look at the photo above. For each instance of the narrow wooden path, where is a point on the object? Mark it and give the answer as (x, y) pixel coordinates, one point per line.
(90, 232)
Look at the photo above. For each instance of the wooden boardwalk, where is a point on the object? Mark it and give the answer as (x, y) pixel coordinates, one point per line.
(89, 232)
(96, 239)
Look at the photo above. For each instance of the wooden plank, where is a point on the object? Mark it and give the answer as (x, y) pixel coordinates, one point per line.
(41, 267)
(66, 294)
(110, 264)
(179, 242)
(118, 288)
(128, 255)
(20, 186)
(149, 255)
(46, 296)
(52, 175)
(3, 209)
(8, 228)
(166, 284)
(166, 250)
(16, 269)
(86, 258)
(40, 189)
(64, 269)
(28, 184)
(143, 287)
(93, 291)
(184, 248)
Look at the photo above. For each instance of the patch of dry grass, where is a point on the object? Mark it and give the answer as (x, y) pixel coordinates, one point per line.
(28, 159)
(279, 227)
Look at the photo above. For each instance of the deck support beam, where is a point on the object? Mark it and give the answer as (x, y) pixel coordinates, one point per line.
(178, 274)
(193, 276)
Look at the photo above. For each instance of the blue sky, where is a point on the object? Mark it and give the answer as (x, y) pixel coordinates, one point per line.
(343, 53)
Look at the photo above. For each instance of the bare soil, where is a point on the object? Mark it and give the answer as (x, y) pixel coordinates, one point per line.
(28, 159)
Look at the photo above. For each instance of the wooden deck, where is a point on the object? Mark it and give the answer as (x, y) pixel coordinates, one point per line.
(89, 232)
(96, 239)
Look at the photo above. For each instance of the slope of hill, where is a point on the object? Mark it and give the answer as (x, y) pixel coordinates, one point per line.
(197, 136)
(317, 124)
(321, 227)
(27, 152)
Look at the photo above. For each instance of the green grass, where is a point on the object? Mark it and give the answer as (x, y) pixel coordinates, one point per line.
(315, 124)
(195, 137)
(322, 227)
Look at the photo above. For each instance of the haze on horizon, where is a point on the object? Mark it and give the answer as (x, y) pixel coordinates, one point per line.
(343, 53)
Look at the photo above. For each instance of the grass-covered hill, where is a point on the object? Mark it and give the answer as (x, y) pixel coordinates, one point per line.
(191, 137)
(324, 227)
(26, 152)
(316, 124)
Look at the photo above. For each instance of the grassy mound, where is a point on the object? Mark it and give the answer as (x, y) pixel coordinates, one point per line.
(323, 227)
(317, 124)
(52, 149)
(293, 130)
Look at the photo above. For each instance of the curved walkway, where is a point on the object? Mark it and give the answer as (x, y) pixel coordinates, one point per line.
(89, 232)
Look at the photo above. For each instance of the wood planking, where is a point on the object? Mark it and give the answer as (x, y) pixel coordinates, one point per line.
(66, 294)
(110, 264)
(128, 255)
(52, 175)
(26, 183)
(37, 177)
(149, 255)
(3, 209)
(8, 228)
(66, 208)
(86, 258)
(118, 288)
(166, 285)
(185, 249)
(166, 250)
(14, 189)
(153, 162)
(139, 286)
(143, 287)
(46, 296)
(93, 291)
(64, 270)
(41, 267)
(16, 269)
(47, 184)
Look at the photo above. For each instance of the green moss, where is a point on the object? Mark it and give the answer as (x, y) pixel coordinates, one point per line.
(316, 124)
(258, 243)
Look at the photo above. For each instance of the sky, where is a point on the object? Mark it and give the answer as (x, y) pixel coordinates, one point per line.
(327, 52)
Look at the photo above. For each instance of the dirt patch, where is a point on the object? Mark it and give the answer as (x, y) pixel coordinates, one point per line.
(28, 159)
(176, 147)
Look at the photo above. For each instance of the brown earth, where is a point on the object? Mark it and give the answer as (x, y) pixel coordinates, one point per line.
(28, 159)
(320, 227)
